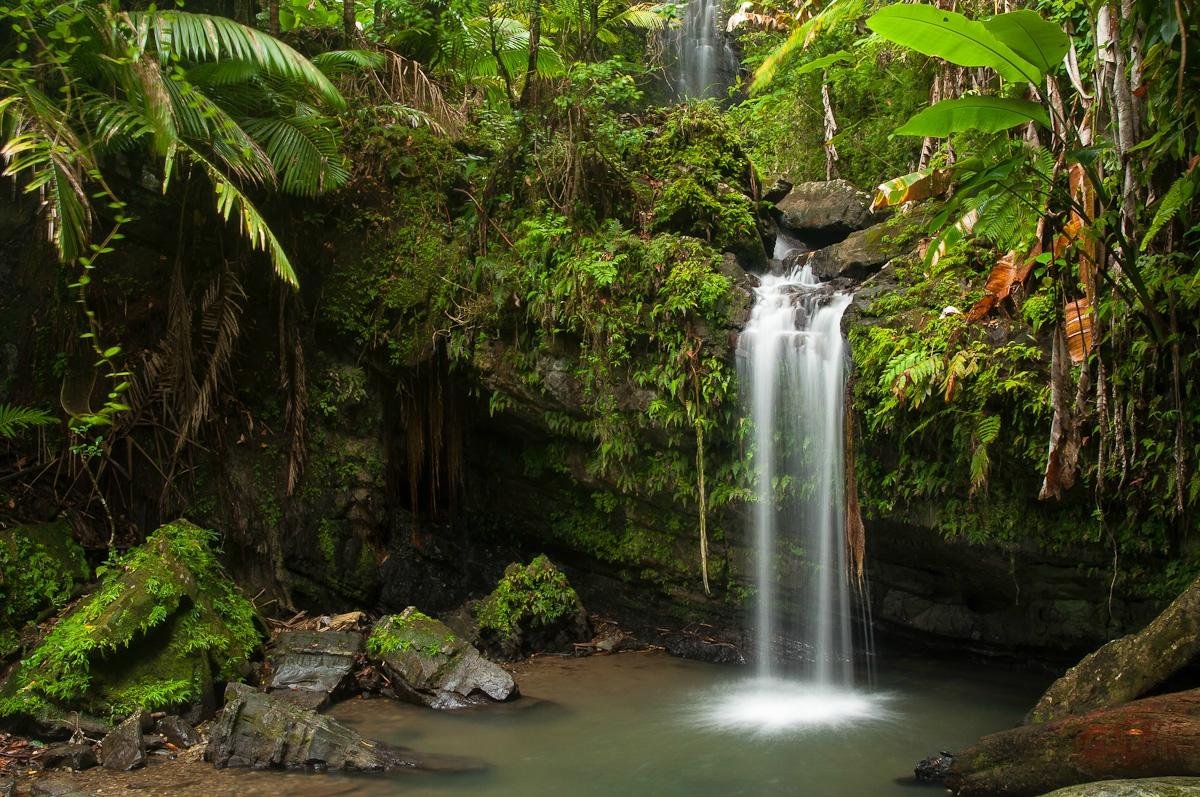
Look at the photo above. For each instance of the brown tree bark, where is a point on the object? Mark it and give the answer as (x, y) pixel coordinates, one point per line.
(348, 26)
(1146, 738)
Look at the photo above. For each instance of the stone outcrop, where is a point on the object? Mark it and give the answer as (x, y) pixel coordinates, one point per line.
(826, 211)
(1129, 667)
(1147, 738)
(310, 668)
(533, 609)
(428, 664)
(260, 731)
(1144, 787)
(124, 748)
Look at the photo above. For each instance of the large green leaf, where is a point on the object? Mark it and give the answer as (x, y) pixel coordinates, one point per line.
(986, 114)
(823, 62)
(1038, 41)
(950, 35)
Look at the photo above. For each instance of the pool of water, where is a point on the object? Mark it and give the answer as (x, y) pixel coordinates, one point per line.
(645, 723)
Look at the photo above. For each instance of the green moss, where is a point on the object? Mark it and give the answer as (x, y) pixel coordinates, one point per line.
(163, 623)
(40, 567)
(537, 593)
(409, 631)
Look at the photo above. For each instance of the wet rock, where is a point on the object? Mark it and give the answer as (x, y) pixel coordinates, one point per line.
(935, 768)
(615, 642)
(261, 731)
(690, 646)
(776, 191)
(533, 609)
(124, 748)
(54, 788)
(310, 667)
(826, 211)
(1144, 787)
(178, 732)
(426, 663)
(69, 756)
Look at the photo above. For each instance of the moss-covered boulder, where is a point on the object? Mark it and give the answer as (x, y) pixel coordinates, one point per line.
(41, 566)
(163, 624)
(533, 609)
(429, 664)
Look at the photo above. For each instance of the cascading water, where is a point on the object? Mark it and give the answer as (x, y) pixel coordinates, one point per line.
(792, 367)
(705, 64)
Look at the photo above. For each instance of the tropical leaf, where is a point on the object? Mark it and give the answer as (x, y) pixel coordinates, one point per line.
(202, 37)
(834, 14)
(304, 151)
(14, 420)
(912, 187)
(823, 62)
(339, 62)
(1177, 198)
(1077, 324)
(1037, 40)
(984, 114)
(950, 35)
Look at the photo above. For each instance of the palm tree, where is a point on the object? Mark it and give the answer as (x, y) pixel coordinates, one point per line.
(80, 80)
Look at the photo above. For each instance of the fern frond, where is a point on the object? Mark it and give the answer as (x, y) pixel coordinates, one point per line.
(14, 420)
(1177, 198)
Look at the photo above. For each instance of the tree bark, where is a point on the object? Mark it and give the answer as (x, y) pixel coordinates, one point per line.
(348, 26)
(1146, 738)
(1128, 667)
(273, 17)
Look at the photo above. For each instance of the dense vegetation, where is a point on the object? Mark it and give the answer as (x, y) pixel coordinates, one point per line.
(306, 265)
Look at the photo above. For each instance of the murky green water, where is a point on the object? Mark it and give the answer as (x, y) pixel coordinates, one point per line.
(633, 725)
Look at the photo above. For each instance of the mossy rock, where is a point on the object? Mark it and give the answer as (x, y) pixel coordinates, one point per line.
(163, 624)
(41, 565)
(429, 664)
(533, 609)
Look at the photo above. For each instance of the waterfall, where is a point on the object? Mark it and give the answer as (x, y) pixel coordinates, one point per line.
(705, 63)
(792, 366)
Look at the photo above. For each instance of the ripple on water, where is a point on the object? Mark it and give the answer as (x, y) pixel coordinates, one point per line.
(775, 706)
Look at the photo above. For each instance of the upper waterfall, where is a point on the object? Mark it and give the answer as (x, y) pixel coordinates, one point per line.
(705, 64)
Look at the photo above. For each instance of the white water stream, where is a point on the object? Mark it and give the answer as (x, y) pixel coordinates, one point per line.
(705, 63)
(792, 363)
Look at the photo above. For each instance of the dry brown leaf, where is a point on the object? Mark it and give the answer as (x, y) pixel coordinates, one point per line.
(1078, 326)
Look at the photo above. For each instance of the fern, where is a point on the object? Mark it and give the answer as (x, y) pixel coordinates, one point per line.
(987, 430)
(1178, 197)
(14, 420)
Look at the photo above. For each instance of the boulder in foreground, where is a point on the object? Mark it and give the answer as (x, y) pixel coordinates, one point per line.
(161, 626)
(428, 664)
(310, 668)
(261, 731)
(1146, 787)
(533, 609)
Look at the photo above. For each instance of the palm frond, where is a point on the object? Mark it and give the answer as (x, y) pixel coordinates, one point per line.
(339, 62)
(202, 38)
(230, 199)
(304, 151)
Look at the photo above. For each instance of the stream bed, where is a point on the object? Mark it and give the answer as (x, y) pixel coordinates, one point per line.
(639, 724)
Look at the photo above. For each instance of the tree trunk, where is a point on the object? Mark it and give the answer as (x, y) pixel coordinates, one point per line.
(348, 26)
(1128, 667)
(273, 17)
(1146, 738)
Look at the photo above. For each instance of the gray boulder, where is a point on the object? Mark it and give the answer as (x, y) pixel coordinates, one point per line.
(178, 732)
(1145, 787)
(69, 756)
(826, 211)
(310, 668)
(261, 731)
(428, 664)
(124, 748)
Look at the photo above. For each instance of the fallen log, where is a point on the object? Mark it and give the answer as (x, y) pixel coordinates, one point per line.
(1146, 738)
(1129, 667)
